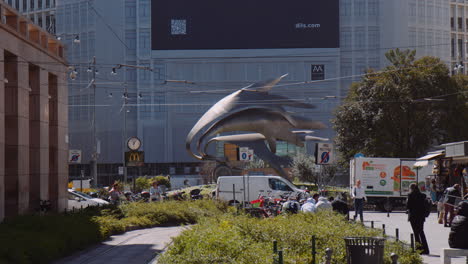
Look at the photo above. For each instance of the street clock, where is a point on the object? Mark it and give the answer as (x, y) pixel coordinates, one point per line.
(134, 143)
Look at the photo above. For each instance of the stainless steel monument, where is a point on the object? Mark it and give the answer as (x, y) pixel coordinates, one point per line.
(262, 120)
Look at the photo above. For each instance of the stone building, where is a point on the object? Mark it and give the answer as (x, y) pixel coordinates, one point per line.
(33, 117)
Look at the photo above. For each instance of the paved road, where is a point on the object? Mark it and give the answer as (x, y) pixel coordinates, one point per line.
(139, 247)
(436, 234)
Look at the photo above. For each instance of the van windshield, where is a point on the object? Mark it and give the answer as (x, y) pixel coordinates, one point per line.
(279, 185)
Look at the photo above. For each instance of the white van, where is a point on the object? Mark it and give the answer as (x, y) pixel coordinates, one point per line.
(271, 186)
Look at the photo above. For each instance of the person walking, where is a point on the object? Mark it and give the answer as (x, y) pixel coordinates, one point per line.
(359, 197)
(433, 191)
(155, 192)
(114, 194)
(415, 206)
(451, 196)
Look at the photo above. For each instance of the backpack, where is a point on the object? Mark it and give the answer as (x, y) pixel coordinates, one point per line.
(427, 207)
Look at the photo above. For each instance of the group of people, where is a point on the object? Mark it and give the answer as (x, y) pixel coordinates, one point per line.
(319, 203)
(450, 214)
(116, 195)
(455, 216)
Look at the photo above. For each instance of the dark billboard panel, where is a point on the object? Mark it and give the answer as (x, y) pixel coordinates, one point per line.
(244, 24)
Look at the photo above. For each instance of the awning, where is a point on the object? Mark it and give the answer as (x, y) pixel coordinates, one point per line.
(421, 163)
(430, 156)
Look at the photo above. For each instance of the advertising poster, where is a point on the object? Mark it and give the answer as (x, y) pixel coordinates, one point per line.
(244, 24)
(379, 176)
(408, 175)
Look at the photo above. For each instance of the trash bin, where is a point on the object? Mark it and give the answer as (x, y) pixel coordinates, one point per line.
(361, 250)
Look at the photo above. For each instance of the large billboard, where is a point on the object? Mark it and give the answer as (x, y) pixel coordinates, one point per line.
(244, 24)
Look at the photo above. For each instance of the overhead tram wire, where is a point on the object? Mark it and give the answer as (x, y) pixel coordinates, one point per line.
(192, 59)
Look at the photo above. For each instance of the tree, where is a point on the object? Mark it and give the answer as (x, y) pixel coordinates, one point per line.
(303, 167)
(403, 110)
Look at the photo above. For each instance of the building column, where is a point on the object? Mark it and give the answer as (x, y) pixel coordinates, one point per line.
(44, 134)
(62, 148)
(34, 138)
(53, 142)
(11, 134)
(2, 136)
(23, 136)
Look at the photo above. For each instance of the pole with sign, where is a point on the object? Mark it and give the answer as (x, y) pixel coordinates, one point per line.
(324, 153)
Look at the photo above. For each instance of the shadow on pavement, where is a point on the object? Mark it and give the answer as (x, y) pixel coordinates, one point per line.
(115, 254)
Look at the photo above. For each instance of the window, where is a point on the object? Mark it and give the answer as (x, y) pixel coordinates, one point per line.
(144, 40)
(130, 41)
(452, 50)
(460, 23)
(130, 9)
(373, 8)
(131, 74)
(346, 39)
(279, 185)
(346, 10)
(39, 4)
(360, 38)
(460, 48)
(159, 102)
(374, 39)
(145, 106)
(360, 8)
(452, 23)
(31, 5)
(47, 4)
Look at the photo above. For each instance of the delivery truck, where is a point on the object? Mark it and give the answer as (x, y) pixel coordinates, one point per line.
(387, 180)
(242, 189)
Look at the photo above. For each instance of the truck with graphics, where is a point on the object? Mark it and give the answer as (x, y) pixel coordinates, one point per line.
(387, 180)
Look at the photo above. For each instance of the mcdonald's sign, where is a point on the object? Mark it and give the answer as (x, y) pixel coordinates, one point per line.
(135, 158)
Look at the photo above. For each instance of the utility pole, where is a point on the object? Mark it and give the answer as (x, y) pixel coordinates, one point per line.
(95, 154)
(125, 131)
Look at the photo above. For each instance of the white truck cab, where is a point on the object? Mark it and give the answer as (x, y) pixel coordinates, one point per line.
(247, 188)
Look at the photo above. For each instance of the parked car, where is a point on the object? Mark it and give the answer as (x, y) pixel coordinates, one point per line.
(77, 200)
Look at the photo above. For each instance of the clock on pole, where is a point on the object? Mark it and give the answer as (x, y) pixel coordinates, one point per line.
(134, 143)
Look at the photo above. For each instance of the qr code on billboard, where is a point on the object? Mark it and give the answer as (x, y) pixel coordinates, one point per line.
(178, 27)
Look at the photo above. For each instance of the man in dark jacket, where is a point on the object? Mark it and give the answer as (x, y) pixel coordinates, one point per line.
(416, 216)
(459, 230)
(452, 194)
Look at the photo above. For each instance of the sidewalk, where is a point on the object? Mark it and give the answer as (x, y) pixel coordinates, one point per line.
(139, 247)
(436, 234)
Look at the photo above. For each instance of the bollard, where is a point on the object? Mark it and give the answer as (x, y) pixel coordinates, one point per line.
(394, 258)
(372, 224)
(280, 256)
(412, 242)
(328, 255)
(383, 227)
(397, 234)
(275, 246)
(313, 250)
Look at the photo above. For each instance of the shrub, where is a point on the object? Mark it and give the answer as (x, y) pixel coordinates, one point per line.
(42, 239)
(161, 180)
(142, 183)
(249, 240)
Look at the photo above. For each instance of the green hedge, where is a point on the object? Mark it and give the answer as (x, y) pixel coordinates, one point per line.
(243, 239)
(42, 239)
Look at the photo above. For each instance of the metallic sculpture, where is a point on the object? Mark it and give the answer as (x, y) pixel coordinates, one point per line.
(262, 116)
